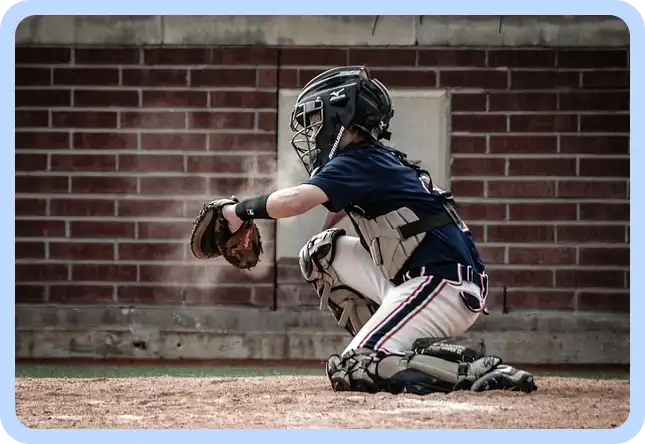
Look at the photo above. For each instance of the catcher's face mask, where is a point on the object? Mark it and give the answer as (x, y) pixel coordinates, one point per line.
(307, 122)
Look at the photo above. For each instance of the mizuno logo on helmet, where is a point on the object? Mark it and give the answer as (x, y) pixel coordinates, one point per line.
(335, 96)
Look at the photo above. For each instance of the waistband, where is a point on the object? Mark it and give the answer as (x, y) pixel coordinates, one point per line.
(454, 272)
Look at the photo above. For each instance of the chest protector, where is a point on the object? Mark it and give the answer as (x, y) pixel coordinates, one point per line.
(393, 237)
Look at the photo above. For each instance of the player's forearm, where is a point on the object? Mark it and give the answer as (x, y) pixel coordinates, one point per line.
(288, 202)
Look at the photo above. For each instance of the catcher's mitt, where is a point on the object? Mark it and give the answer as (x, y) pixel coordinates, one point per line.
(212, 238)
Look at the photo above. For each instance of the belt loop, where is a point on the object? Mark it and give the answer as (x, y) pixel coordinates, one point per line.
(470, 274)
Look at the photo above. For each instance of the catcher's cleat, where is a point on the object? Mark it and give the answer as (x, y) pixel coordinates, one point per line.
(337, 375)
(505, 377)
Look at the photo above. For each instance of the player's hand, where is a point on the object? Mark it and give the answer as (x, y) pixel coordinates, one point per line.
(234, 222)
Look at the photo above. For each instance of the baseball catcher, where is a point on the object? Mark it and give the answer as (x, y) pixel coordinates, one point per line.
(410, 284)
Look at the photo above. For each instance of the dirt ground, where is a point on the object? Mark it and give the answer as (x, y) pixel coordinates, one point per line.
(308, 402)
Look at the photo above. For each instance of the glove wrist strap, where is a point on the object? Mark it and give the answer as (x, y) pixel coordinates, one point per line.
(253, 208)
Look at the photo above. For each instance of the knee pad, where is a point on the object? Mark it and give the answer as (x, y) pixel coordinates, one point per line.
(350, 309)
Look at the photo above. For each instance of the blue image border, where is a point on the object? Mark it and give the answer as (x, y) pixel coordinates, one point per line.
(19, 11)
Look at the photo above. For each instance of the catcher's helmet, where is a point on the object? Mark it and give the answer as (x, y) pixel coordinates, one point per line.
(332, 102)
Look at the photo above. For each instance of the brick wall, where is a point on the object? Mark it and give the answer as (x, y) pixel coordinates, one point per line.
(117, 148)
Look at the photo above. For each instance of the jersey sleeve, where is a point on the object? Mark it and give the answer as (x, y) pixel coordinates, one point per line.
(345, 180)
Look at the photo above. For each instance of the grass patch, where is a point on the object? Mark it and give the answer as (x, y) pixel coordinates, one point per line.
(114, 371)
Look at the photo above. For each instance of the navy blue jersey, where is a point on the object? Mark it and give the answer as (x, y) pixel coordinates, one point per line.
(376, 181)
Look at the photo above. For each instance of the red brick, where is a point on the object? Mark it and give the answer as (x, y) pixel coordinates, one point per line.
(41, 184)
(467, 188)
(104, 184)
(606, 167)
(518, 144)
(521, 58)
(220, 120)
(313, 56)
(80, 293)
(590, 278)
(289, 274)
(243, 99)
(233, 185)
(41, 272)
(542, 167)
(43, 97)
(482, 211)
(268, 77)
(267, 122)
(150, 252)
(83, 162)
(594, 144)
(86, 76)
(266, 163)
(382, 57)
(223, 77)
(477, 166)
(105, 229)
(175, 99)
(542, 255)
(492, 254)
(237, 296)
(26, 294)
(149, 294)
(153, 120)
(152, 163)
(404, 79)
(543, 211)
(81, 251)
(106, 98)
(479, 123)
(31, 162)
(591, 233)
(42, 140)
(595, 101)
(81, 207)
(84, 119)
(544, 79)
(468, 102)
(150, 208)
(540, 300)
(289, 78)
(520, 233)
(30, 250)
(608, 123)
(155, 77)
(103, 141)
(174, 185)
(478, 231)
(452, 57)
(219, 164)
(176, 56)
(244, 55)
(473, 79)
(246, 142)
(40, 228)
(523, 101)
(173, 141)
(43, 55)
(609, 256)
(32, 119)
(604, 211)
(104, 273)
(592, 58)
(468, 144)
(521, 188)
(30, 207)
(522, 278)
(33, 76)
(544, 123)
(605, 79)
(176, 274)
(614, 189)
(106, 56)
(164, 230)
(604, 302)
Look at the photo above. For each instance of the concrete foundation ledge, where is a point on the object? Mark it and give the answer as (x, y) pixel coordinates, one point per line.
(390, 30)
(229, 333)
